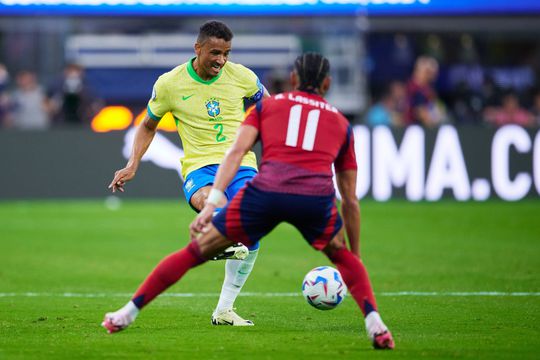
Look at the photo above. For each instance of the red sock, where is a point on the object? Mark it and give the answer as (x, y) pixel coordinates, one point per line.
(167, 272)
(356, 278)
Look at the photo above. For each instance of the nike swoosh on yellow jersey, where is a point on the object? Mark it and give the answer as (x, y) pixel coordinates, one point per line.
(187, 97)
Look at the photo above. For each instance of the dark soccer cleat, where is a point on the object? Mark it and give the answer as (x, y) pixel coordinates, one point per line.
(383, 341)
(237, 251)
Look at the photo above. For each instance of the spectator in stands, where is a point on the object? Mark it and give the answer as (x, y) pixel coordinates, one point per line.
(390, 110)
(510, 112)
(29, 104)
(71, 99)
(423, 106)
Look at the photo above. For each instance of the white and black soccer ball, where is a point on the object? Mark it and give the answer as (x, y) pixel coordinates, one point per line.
(324, 288)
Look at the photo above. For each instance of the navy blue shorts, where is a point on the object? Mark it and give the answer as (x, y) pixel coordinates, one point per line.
(253, 213)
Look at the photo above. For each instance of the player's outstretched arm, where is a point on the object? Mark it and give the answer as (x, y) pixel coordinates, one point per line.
(245, 139)
(143, 137)
(350, 208)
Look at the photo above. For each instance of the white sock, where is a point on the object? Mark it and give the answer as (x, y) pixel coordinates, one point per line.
(131, 309)
(236, 274)
(374, 324)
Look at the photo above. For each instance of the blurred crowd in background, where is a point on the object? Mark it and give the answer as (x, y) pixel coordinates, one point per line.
(431, 80)
(26, 104)
(437, 82)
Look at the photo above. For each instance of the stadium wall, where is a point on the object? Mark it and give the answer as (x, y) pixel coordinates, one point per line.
(416, 164)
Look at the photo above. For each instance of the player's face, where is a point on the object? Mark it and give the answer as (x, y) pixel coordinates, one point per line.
(212, 56)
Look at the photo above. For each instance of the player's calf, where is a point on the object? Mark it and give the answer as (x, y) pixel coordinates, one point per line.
(356, 278)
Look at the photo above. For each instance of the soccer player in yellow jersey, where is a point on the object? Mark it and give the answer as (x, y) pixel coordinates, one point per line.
(206, 97)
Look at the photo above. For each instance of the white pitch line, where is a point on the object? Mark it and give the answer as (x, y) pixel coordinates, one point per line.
(277, 294)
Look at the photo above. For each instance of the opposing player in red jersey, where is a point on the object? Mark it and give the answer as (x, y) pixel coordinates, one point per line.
(302, 137)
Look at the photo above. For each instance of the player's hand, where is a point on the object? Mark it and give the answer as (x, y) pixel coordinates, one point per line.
(120, 178)
(200, 224)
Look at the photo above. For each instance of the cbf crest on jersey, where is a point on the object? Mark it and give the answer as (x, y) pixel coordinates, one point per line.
(212, 107)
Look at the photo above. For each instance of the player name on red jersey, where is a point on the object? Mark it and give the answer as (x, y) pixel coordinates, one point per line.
(307, 101)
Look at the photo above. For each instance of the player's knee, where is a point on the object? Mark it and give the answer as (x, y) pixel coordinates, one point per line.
(198, 199)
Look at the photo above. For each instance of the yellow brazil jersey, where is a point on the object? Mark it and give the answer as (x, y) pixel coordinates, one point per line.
(207, 112)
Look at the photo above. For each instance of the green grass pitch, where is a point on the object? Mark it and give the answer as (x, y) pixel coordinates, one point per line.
(448, 252)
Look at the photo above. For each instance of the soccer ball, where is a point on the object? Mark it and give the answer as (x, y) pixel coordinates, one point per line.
(324, 288)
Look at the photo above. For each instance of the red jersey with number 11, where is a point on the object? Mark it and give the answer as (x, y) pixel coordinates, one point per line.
(302, 136)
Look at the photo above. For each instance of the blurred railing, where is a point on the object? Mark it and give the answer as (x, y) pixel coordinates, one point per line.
(121, 69)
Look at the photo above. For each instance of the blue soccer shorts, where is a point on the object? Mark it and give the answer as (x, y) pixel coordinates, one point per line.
(204, 176)
(253, 213)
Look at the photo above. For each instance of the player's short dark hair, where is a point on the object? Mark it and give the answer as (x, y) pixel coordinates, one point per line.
(215, 29)
(311, 68)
